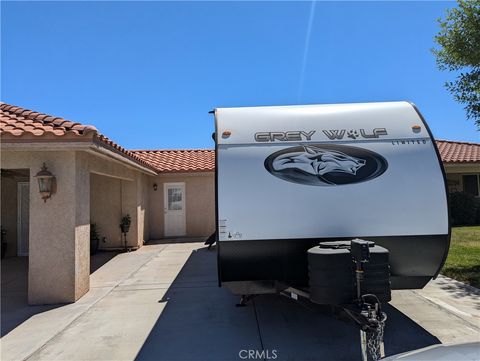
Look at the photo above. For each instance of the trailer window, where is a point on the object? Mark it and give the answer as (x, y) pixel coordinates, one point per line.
(470, 184)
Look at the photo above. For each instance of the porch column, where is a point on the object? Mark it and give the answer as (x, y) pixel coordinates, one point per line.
(59, 260)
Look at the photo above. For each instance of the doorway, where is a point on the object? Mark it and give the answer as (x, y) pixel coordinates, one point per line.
(174, 209)
(23, 215)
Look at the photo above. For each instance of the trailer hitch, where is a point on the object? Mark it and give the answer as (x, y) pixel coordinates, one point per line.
(366, 312)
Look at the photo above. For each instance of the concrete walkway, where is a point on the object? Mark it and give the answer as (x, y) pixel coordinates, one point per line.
(162, 303)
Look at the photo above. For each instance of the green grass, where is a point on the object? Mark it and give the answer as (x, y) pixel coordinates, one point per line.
(463, 261)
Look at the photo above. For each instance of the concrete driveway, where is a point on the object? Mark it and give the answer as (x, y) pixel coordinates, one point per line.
(162, 303)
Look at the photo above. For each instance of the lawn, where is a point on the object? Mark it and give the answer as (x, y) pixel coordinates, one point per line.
(463, 261)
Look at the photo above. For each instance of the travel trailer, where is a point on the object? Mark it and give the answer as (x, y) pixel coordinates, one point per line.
(290, 178)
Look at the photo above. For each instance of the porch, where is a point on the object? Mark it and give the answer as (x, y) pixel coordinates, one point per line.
(53, 234)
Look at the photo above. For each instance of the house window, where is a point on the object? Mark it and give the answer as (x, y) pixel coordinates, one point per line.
(470, 184)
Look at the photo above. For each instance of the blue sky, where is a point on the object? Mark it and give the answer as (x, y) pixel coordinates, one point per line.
(147, 73)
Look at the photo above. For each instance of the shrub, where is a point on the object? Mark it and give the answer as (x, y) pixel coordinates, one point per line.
(464, 209)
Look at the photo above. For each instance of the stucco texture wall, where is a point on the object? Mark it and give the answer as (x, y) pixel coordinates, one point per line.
(106, 209)
(117, 191)
(58, 231)
(199, 203)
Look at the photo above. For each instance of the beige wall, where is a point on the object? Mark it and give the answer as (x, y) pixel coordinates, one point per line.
(106, 209)
(143, 207)
(58, 232)
(116, 191)
(200, 203)
(461, 168)
(82, 226)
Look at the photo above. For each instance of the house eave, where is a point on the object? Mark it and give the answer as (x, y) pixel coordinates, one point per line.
(461, 164)
(81, 145)
(186, 173)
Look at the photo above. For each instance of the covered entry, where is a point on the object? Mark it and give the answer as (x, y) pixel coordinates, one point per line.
(52, 226)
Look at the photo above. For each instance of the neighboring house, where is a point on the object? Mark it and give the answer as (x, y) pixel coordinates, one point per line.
(462, 165)
(167, 193)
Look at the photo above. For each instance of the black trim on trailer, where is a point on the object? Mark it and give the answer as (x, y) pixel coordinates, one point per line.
(440, 163)
(285, 260)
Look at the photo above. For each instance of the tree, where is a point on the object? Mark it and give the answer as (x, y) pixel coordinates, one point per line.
(459, 40)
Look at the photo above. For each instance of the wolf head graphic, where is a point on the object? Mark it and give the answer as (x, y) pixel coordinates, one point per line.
(319, 162)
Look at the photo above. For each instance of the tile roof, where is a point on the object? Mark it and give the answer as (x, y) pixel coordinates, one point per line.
(188, 160)
(18, 124)
(458, 152)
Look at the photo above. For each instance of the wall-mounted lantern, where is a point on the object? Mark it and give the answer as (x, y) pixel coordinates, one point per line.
(155, 187)
(45, 182)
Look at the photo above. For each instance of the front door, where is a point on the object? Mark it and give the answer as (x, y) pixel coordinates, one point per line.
(23, 205)
(174, 207)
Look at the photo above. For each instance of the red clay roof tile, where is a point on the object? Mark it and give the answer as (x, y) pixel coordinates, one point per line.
(17, 122)
(458, 152)
(184, 161)
(35, 123)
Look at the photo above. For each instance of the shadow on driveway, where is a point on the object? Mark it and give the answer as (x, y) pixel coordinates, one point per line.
(15, 308)
(14, 290)
(200, 322)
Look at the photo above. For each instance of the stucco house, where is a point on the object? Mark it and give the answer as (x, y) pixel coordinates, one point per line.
(167, 193)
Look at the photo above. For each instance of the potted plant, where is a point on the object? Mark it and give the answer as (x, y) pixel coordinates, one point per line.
(4, 242)
(125, 223)
(94, 238)
(125, 227)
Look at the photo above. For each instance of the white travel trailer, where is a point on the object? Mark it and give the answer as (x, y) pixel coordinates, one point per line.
(290, 177)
